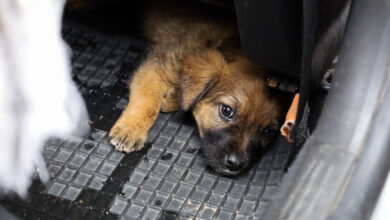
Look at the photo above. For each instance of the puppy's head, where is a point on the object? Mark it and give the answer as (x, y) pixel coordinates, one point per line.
(235, 112)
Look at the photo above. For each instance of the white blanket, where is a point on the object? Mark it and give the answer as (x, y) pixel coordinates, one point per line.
(38, 98)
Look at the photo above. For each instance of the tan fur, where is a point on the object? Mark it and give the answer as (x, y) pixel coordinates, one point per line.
(244, 90)
(191, 56)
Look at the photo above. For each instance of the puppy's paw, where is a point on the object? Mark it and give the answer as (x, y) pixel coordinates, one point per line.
(128, 136)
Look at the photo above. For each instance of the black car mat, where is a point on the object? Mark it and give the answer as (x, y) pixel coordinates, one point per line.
(165, 180)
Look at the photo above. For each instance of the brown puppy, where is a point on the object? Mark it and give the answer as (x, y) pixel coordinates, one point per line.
(195, 63)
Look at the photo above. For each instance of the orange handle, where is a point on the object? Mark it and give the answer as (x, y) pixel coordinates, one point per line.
(291, 117)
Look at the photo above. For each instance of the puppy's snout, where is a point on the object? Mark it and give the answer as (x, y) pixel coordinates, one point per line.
(234, 162)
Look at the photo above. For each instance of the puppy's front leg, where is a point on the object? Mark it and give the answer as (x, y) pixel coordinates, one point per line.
(146, 91)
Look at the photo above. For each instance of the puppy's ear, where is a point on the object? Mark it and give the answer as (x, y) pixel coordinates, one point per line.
(200, 73)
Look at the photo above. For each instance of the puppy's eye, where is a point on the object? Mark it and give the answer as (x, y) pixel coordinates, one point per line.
(269, 133)
(226, 111)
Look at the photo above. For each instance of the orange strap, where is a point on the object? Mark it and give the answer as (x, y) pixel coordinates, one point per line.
(291, 117)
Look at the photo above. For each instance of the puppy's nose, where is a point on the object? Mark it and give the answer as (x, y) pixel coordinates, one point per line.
(234, 163)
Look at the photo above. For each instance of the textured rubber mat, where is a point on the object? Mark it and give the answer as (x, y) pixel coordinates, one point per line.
(166, 180)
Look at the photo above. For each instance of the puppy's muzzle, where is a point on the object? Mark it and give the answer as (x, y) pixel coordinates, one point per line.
(235, 163)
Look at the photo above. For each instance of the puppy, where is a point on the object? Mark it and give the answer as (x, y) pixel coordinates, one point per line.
(195, 64)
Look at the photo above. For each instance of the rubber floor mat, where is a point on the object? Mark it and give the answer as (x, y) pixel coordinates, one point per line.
(165, 180)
